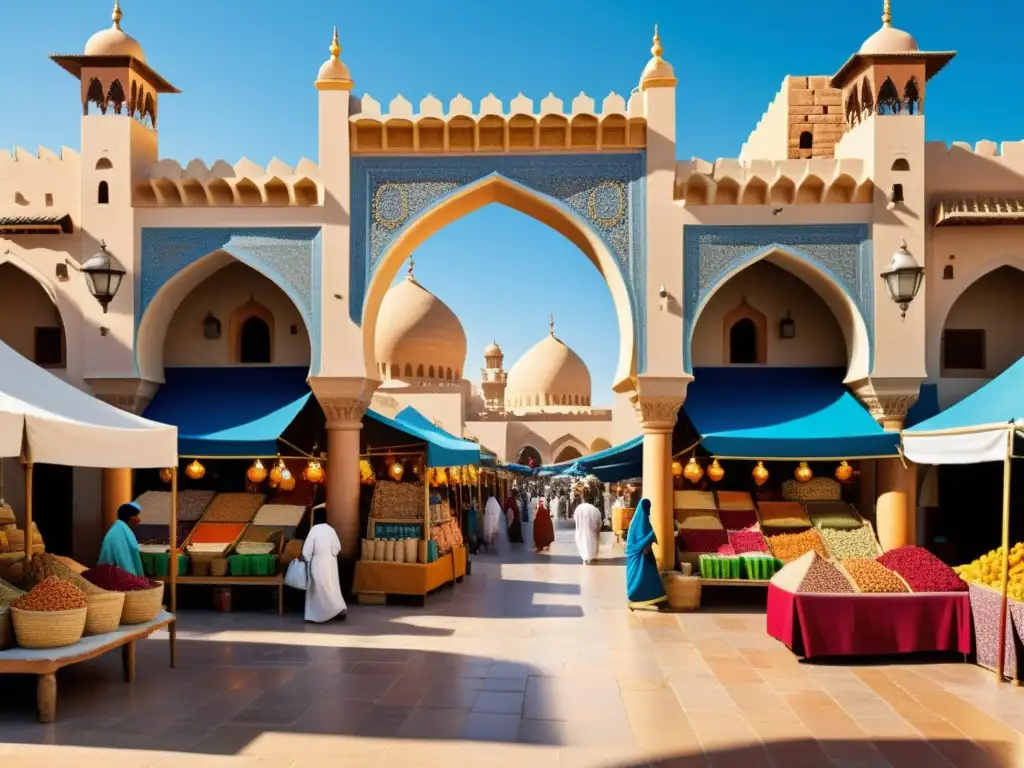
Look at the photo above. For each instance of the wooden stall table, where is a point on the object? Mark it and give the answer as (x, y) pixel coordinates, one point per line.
(45, 663)
(375, 578)
(621, 518)
(240, 581)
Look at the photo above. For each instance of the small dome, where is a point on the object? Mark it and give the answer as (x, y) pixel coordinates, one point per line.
(334, 68)
(658, 72)
(549, 374)
(114, 41)
(417, 333)
(889, 40)
(493, 350)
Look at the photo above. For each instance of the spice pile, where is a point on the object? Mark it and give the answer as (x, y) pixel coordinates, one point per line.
(789, 546)
(115, 579)
(45, 565)
(922, 570)
(988, 570)
(871, 576)
(706, 540)
(52, 594)
(853, 542)
(233, 508)
(823, 577)
(747, 541)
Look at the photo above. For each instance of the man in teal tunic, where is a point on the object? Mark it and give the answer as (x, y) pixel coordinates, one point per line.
(120, 547)
(643, 581)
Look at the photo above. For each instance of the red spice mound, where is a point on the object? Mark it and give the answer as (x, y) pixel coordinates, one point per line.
(727, 549)
(922, 570)
(735, 519)
(706, 540)
(52, 594)
(747, 541)
(116, 579)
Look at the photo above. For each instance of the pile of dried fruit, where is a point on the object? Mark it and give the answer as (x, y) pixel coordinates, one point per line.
(790, 546)
(115, 579)
(52, 594)
(871, 576)
(823, 577)
(45, 565)
(922, 570)
(852, 542)
(988, 570)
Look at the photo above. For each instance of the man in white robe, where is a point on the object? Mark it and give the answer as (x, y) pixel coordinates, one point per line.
(588, 531)
(492, 521)
(323, 593)
(556, 508)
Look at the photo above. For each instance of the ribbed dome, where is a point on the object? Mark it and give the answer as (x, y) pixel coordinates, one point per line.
(418, 336)
(889, 40)
(549, 375)
(114, 41)
(492, 350)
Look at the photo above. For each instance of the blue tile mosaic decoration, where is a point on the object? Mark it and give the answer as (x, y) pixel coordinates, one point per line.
(289, 256)
(606, 191)
(843, 252)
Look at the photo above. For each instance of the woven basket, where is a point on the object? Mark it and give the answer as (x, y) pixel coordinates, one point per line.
(219, 566)
(142, 606)
(104, 613)
(683, 591)
(38, 630)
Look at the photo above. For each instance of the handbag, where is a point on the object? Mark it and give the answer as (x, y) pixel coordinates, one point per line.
(297, 575)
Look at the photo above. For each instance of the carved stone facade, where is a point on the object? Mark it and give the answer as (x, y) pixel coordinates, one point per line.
(658, 413)
(344, 401)
(888, 401)
(344, 412)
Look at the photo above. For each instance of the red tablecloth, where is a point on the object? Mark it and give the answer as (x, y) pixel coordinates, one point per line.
(862, 625)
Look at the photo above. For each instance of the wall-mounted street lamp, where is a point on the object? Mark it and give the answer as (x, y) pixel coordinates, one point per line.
(103, 275)
(211, 327)
(787, 327)
(903, 278)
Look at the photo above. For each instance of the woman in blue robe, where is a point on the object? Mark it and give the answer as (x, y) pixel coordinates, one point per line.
(643, 581)
(120, 547)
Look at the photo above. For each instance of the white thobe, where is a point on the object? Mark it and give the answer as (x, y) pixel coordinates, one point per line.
(492, 520)
(323, 595)
(588, 531)
(556, 503)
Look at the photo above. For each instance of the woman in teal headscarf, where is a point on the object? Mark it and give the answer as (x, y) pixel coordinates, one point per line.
(120, 547)
(643, 581)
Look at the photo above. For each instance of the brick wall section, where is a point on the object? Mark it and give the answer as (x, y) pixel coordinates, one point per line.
(814, 107)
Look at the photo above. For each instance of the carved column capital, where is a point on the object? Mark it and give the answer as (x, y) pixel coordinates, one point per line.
(344, 400)
(129, 395)
(344, 412)
(887, 400)
(657, 414)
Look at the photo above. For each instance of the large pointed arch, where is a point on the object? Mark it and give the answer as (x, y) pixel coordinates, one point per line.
(823, 282)
(496, 188)
(69, 313)
(567, 441)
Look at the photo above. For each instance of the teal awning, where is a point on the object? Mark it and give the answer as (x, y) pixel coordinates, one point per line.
(782, 413)
(443, 448)
(620, 462)
(926, 406)
(222, 412)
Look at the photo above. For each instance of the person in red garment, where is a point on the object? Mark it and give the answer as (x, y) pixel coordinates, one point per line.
(543, 528)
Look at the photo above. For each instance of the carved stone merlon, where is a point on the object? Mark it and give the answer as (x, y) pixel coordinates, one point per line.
(344, 400)
(887, 400)
(657, 401)
(130, 395)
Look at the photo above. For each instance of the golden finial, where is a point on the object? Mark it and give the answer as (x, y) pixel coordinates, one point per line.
(412, 266)
(886, 13)
(656, 49)
(117, 15)
(551, 323)
(335, 47)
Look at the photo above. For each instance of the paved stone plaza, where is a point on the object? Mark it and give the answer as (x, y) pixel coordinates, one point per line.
(533, 661)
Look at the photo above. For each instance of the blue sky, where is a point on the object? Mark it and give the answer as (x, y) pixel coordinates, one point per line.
(246, 70)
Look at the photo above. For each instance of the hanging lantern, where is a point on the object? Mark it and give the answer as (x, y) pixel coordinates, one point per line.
(195, 470)
(453, 475)
(441, 475)
(760, 473)
(287, 480)
(677, 468)
(693, 471)
(396, 470)
(314, 472)
(276, 473)
(803, 472)
(715, 471)
(366, 473)
(474, 477)
(166, 474)
(257, 473)
(844, 472)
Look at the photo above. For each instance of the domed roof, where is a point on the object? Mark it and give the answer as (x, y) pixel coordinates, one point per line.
(549, 367)
(334, 68)
(114, 41)
(888, 39)
(493, 350)
(658, 73)
(415, 328)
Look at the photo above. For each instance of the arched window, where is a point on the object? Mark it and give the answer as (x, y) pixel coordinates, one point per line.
(743, 342)
(947, 272)
(889, 101)
(395, 370)
(897, 193)
(103, 193)
(430, 372)
(95, 96)
(116, 97)
(254, 342)
(867, 98)
(419, 371)
(912, 97)
(408, 370)
(852, 107)
(900, 164)
(448, 374)
(806, 140)
(104, 164)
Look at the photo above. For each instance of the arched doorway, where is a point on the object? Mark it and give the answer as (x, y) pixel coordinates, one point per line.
(599, 444)
(529, 456)
(568, 453)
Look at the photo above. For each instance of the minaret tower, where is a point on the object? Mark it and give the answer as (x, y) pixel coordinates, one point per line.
(493, 378)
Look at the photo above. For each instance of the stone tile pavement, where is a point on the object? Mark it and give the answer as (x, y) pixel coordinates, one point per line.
(531, 661)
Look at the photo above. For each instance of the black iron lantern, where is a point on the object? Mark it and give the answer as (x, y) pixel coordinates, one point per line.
(903, 278)
(787, 327)
(211, 327)
(103, 276)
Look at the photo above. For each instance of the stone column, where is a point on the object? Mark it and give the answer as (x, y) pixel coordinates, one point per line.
(658, 420)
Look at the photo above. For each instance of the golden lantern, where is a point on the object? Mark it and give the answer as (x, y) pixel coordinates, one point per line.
(803, 472)
(276, 473)
(844, 472)
(760, 473)
(454, 475)
(257, 473)
(396, 470)
(166, 474)
(366, 474)
(314, 472)
(287, 480)
(677, 468)
(693, 471)
(473, 476)
(195, 470)
(441, 475)
(715, 471)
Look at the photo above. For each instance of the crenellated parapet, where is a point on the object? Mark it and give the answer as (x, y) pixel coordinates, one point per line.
(222, 185)
(987, 169)
(37, 183)
(773, 182)
(492, 128)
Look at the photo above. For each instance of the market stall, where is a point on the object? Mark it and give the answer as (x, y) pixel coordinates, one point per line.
(414, 542)
(43, 419)
(983, 427)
